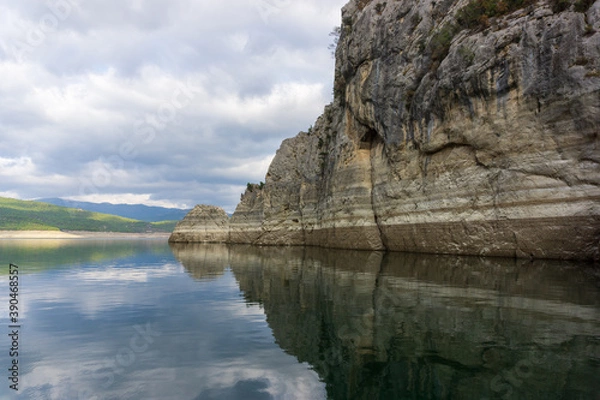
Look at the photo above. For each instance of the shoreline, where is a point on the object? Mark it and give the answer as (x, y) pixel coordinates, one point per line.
(80, 235)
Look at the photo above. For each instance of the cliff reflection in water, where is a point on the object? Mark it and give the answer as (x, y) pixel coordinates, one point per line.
(395, 326)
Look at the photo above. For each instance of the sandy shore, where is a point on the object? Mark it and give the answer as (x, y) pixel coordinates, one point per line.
(79, 235)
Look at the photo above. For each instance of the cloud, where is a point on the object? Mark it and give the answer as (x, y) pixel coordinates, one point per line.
(252, 168)
(189, 358)
(179, 102)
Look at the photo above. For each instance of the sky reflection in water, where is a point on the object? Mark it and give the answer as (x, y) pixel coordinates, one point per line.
(140, 320)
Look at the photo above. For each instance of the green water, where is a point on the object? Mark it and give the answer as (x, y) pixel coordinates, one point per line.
(141, 320)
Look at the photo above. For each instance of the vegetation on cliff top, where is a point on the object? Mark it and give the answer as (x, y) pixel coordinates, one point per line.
(251, 186)
(477, 13)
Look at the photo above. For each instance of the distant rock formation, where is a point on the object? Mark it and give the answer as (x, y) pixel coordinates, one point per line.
(446, 137)
(204, 224)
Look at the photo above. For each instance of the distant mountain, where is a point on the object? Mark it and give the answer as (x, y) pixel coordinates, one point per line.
(34, 215)
(134, 211)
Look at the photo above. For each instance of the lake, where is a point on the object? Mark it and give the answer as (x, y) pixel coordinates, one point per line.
(139, 319)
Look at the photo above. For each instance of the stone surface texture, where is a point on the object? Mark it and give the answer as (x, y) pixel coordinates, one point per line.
(204, 224)
(482, 141)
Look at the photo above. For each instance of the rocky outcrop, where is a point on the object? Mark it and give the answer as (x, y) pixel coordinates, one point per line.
(448, 138)
(246, 222)
(204, 224)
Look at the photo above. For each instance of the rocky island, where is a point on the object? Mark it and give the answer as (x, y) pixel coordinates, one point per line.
(458, 127)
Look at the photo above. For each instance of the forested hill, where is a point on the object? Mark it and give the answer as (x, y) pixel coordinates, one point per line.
(134, 211)
(35, 215)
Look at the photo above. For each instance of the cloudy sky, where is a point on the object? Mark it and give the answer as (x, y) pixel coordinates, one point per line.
(161, 102)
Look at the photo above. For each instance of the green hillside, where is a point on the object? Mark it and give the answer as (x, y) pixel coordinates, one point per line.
(34, 215)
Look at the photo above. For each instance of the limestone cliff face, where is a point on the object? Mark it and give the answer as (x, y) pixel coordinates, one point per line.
(441, 139)
(482, 140)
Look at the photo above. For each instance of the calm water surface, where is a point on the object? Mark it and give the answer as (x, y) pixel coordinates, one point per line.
(137, 319)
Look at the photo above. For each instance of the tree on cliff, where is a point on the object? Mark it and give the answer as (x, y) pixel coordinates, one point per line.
(335, 34)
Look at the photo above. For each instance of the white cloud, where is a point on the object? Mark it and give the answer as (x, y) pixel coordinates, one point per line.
(13, 195)
(255, 170)
(14, 170)
(185, 100)
(16, 166)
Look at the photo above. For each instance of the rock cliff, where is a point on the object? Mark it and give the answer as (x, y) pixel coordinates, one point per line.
(454, 129)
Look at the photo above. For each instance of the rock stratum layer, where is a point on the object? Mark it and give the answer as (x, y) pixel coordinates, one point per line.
(440, 139)
(204, 224)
